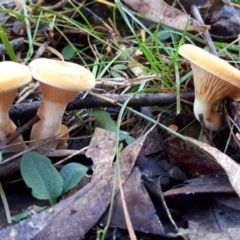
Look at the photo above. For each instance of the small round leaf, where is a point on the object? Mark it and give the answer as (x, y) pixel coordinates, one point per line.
(72, 174)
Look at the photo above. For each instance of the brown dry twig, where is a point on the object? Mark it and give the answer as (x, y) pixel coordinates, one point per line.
(16, 44)
(20, 131)
(23, 110)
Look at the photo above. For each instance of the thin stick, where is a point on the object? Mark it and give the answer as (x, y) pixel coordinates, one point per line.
(5, 204)
(21, 110)
(20, 131)
(16, 44)
(206, 34)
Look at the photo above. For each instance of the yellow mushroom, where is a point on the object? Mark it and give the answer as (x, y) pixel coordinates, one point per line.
(12, 76)
(60, 82)
(214, 79)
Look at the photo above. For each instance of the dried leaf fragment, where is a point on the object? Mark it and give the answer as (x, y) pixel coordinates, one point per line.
(139, 205)
(102, 150)
(159, 11)
(231, 168)
(191, 157)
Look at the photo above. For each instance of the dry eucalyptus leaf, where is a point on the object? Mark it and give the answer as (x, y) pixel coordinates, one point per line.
(231, 168)
(191, 157)
(136, 69)
(139, 205)
(202, 185)
(211, 220)
(159, 11)
(102, 150)
(19, 4)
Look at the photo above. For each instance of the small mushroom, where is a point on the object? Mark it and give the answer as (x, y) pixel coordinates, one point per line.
(12, 76)
(214, 79)
(62, 142)
(60, 82)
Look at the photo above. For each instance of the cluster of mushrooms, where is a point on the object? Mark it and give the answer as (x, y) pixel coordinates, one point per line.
(59, 81)
(214, 79)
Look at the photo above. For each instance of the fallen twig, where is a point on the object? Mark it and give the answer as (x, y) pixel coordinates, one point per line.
(206, 33)
(16, 44)
(28, 110)
(20, 131)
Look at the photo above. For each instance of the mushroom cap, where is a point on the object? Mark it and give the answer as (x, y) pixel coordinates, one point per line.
(209, 88)
(13, 75)
(211, 63)
(63, 75)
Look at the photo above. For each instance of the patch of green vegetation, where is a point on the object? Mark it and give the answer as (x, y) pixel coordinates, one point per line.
(45, 181)
(236, 1)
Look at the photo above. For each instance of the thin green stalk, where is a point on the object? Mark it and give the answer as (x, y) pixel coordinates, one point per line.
(178, 102)
(28, 28)
(5, 204)
(77, 9)
(175, 134)
(7, 44)
(31, 43)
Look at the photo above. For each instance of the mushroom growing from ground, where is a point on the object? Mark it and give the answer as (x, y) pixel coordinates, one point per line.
(214, 79)
(12, 76)
(60, 82)
(62, 142)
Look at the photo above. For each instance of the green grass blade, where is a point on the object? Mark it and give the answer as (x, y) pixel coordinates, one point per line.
(7, 44)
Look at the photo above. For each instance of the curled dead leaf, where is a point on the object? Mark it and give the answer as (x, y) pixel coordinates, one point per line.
(192, 158)
(231, 168)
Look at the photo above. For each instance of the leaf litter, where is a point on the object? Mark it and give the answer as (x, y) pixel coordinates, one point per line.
(179, 192)
(95, 197)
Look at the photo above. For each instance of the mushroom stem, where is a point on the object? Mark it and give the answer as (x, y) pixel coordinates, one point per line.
(50, 114)
(7, 127)
(212, 119)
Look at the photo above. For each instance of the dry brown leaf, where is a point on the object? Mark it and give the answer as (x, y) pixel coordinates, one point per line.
(102, 150)
(159, 11)
(139, 205)
(231, 168)
(202, 185)
(19, 4)
(191, 157)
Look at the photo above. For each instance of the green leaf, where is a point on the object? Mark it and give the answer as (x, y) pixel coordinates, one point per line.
(21, 216)
(115, 74)
(39, 174)
(72, 174)
(164, 35)
(119, 67)
(26, 214)
(104, 120)
(129, 140)
(68, 52)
